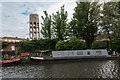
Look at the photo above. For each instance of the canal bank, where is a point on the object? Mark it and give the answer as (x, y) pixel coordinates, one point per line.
(73, 69)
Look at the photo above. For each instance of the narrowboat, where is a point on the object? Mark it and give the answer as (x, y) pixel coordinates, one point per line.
(75, 55)
(10, 62)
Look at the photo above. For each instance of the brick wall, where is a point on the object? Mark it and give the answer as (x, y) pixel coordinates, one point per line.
(11, 47)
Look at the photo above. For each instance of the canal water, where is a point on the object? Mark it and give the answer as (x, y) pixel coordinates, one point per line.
(65, 69)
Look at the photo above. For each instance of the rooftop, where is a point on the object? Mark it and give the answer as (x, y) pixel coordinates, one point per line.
(13, 38)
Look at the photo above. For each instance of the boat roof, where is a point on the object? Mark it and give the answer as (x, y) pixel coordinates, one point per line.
(42, 51)
(86, 50)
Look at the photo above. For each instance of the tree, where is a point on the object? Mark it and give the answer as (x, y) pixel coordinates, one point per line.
(59, 23)
(110, 20)
(46, 26)
(86, 19)
(72, 28)
(119, 19)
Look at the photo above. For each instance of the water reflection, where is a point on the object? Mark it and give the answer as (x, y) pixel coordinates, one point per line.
(74, 69)
(109, 70)
(0, 73)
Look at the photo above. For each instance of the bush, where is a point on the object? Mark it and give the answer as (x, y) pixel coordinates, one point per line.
(6, 57)
(100, 44)
(75, 43)
(70, 44)
(4, 44)
(60, 45)
(115, 45)
(95, 45)
(32, 45)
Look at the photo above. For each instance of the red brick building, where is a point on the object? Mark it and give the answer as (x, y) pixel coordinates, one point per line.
(11, 46)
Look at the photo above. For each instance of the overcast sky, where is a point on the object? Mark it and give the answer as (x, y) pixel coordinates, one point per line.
(15, 15)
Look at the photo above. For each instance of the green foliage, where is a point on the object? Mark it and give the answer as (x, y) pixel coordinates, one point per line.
(115, 45)
(119, 7)
(6, 57)
(70, 44)
(105, 44)
(110, 20)
(25, 59)
(96, 45)
(46, 26)
(100, 44)
(75, 43)
(32, 45)
(85, 21)
(4, 44)
(60, 45)
(72, 28)
(59, 23)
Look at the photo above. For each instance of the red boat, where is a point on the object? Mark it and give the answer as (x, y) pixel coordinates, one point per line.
(10, 62)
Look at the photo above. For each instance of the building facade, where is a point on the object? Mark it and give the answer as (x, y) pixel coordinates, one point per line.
(34, 31)
(11, 46)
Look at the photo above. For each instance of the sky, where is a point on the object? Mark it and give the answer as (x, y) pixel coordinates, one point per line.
(15, 15)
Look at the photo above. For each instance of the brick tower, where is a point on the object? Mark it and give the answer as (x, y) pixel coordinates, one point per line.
(34, 31)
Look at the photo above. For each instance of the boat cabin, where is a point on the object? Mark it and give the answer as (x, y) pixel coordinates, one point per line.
(77, 53)
(41, 52)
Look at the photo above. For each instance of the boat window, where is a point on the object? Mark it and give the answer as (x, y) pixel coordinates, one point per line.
(70, 53)
(60, 54)
(88, 53)
(98, 52)
(80, 53)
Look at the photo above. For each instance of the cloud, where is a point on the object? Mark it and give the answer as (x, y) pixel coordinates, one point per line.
(25, 13)
(15, 18)
(38, 0)
(0, 19)
(69, 7)
(14, 23)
